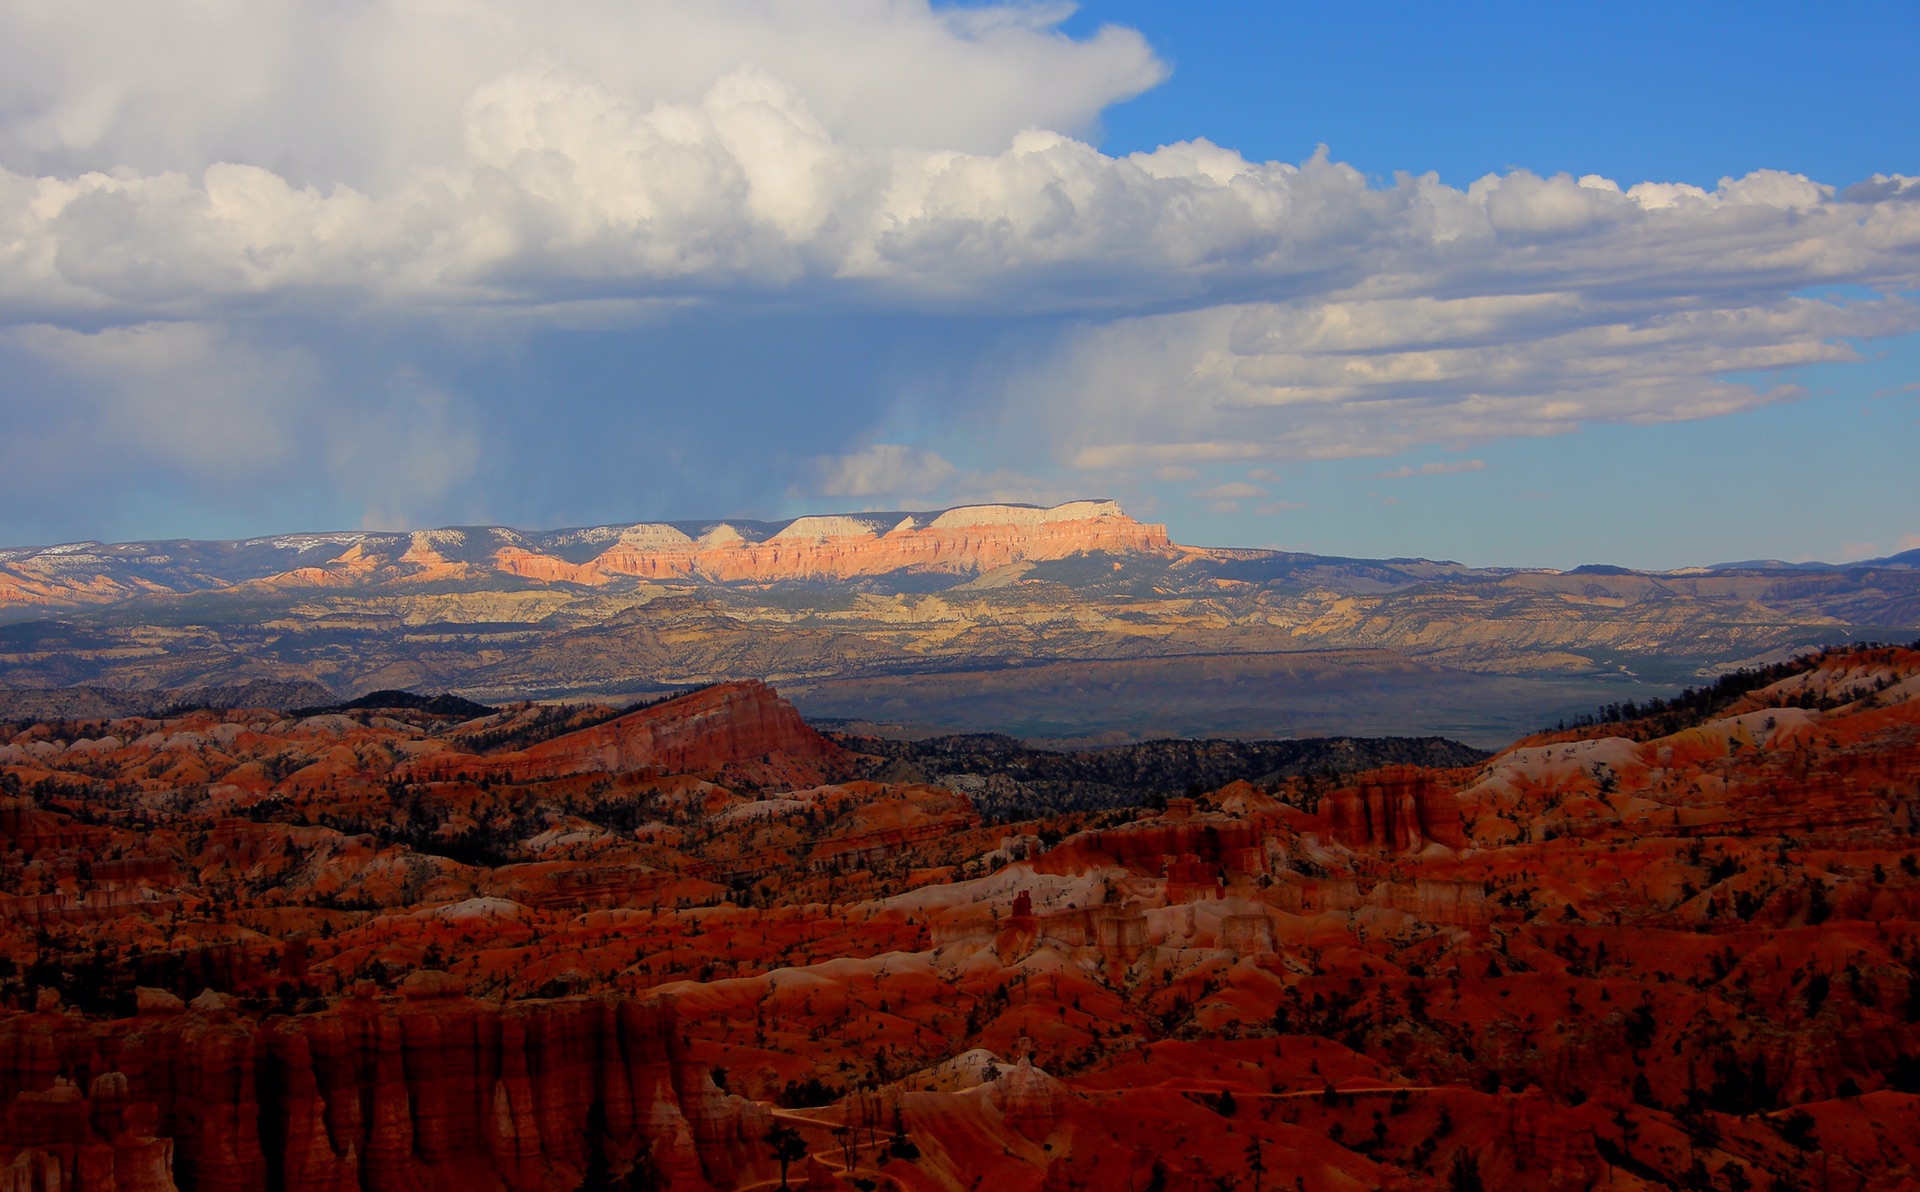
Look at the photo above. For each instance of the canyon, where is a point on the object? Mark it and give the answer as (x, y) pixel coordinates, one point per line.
(401, 942)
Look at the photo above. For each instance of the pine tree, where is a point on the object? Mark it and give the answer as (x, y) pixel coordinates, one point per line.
(788, 1147)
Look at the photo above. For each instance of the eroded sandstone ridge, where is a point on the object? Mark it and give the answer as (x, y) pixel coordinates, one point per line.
(963, 541)
(696, 945)
(739, 731)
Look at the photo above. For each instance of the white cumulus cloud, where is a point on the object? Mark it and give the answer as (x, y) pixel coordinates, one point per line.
(208, 165)
(364, 93)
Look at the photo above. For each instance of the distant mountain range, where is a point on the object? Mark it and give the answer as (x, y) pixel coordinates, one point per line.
(962, 541)
(1073, 624)
(1905, 560)
(967, 539)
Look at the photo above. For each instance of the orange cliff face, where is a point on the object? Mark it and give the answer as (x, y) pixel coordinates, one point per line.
(244, 950)
(969, 539)
(1396, 809)
(960, 541)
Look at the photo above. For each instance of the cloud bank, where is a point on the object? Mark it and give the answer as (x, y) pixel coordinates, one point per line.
(181, 184)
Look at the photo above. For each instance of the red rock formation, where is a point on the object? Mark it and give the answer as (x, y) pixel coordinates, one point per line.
(515, 560)
(1634, 955)
(743, 729)
(1189, 848)
(1399, 808)
(100, 1139)
(430, 1092)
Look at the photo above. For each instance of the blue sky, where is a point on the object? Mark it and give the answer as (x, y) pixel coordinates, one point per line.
(286, 266)
(1677, 92)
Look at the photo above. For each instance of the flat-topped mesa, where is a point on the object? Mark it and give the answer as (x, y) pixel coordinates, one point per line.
(744, 730)
(971, 538)
(964, 540)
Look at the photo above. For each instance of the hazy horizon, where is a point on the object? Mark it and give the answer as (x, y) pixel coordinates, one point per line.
(774, 524)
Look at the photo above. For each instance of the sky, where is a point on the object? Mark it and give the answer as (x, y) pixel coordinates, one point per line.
(1527, 285)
